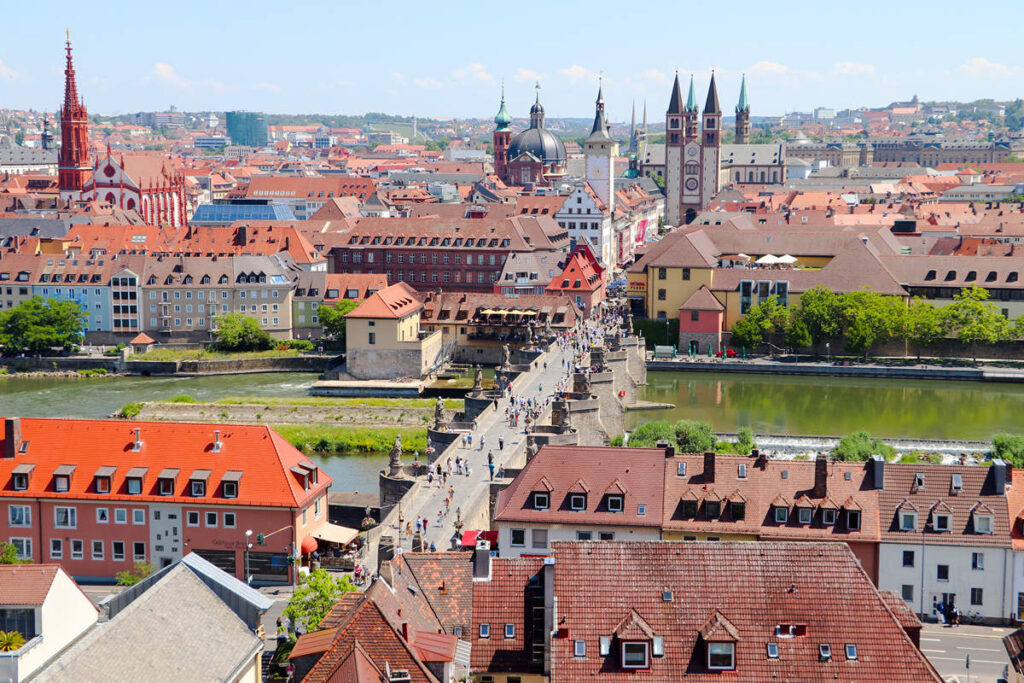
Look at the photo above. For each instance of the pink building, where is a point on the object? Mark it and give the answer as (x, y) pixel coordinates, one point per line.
(701, 320)
(96, 496)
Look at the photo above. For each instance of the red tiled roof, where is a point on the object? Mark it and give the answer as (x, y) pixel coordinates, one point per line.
(446, 580)
(507, 599)
(26, 584)
(396, 301)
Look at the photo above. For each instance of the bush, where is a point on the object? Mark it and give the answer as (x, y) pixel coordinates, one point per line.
(92, 372)
(183, 398)
(1009, 447)
(694, 436)
(132, 576)
(130, 411)
(649, 434)
(116, 351)
(745, 440)
(239, 332)
(296, 344)
(861, 446)
(617, 440)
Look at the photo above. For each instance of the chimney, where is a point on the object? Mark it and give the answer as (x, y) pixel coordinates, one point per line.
(999, 476)
(820, 476)
(405, 631)
(217, 445)
(709, 466)
(482, 561)
(137, 446)
(12, 436)
(878, 472)
(387, 572)
(760, 459)
(670, 449)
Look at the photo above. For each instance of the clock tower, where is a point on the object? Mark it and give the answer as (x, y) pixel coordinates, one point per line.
(711, 146)
(692, 154)
(597, 150)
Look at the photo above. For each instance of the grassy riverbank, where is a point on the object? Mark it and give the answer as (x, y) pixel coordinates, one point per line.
(327, 402)
(206, 354)
(351, 440)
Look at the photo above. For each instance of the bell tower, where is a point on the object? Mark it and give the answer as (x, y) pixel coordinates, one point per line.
(502, 138)
(73, 160)
(743, 115)
(711, 146)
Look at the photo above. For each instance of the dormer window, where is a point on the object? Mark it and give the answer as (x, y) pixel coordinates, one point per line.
(635, 655)
(853, 520)
(102, 484)
(712, 509)
(721, 656)
(828, 516)
(982, 524)
(781, 515)
(908, 521)
(615, 504)
(689, 509)
(541, 501)
(19, 482)
(943, 522)
(804, 515)
(577, 501)
(197, 488)
(61, 483)
(738, 510)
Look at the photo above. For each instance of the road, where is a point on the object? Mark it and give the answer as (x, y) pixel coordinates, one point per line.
(947, 649)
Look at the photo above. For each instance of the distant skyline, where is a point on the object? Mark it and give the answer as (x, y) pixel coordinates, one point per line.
(407, 58)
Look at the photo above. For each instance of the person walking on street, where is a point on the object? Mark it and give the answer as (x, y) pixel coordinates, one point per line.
(501, 443)
(490, 466)
(490, 457)
(483, 440)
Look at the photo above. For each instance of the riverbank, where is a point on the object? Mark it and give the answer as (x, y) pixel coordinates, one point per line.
(874, 370)
(185, 366)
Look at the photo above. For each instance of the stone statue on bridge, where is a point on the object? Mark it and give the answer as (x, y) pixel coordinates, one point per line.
(506, 356)
(478, 379)
(439, 413)
(529, 335)
(395, 457)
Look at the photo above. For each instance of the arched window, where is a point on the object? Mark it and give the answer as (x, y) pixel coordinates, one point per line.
(130, 204)
(110, 198)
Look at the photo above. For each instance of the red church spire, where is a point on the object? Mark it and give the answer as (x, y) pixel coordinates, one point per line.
(73, 161)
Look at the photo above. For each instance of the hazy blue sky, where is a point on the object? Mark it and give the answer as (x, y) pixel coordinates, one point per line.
(448, 58)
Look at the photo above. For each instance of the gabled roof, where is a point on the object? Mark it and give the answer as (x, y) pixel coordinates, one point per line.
(719, 629)
(702, 300)
(26, 584)
(394, 302)
(633, 627)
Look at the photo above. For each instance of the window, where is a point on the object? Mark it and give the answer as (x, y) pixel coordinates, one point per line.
(519, 537)
(908, 558)
(61, 483)
(77, 549)
(510, 630)
(23, 546)
(117, 551)
(584, 536)
(805, 515)
(539, 539)
(982, 524)
(606, 535)
(65, 518)
(977, 595)
(192, 518)
(19, 515)
(138, 516)
(634, 655)
(577, 501)
(614, 503)
(56, 549)
(773, 650)
(120, 515)
(741, 471)
(97, 550)
(134, 486)
(781, 514)
(978, 561)
(943, 522)
(681, 469)
(197, 488)
(824, 652)
(942, 572)
(20, 482)
(721, 656)
(851, 651)
(485, 630)
(211, 519)
(908, 521)
(661, 295)
(853, 520)
(579, 648)
(229, 520)
(372, 338)
(102, 484)
(828, 516)
(230, 489)
(139, 551)
(908, 592)
(712, 509)
(641, 510)
(738, 510)
(102, 515)
(541, 501)
(686, 273)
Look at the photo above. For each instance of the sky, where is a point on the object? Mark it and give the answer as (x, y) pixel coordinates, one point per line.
(449, 58)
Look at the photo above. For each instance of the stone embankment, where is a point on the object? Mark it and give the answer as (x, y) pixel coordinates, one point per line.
(258, 413)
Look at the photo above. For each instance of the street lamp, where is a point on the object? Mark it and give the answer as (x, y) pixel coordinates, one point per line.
(828, 352)
(248, 546)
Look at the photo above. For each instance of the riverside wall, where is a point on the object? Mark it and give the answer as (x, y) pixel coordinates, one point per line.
(975, 374)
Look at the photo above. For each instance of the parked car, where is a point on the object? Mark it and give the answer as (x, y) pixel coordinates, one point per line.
(728, 353)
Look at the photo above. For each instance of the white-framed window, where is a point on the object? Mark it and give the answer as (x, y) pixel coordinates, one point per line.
(138, 516)
(641, 510)
(19, 516)
(539, 539)
(134, 486)
(615, 504)
(824, 652)
(804, 515)
(773, 650)
(851, 651)
(577, 501)
(197, 487)
(230, 489)
(635, 655)
(19, 481)
(721, 656)
(579, 648)
(541, 501)
(982, 524)
(510, 630)
(943, 522)
(978, 561)
(192, 518)
(102, 515)
(77, 549)
(741, 471)
(139, 551)
(117, 551)
(120, 515)
(97, 549)
(853, 520)
(229, 520)
(23, 546)
(908, 521)
(56, 549)
(781, 514)
(211, 519)
(518, 538)
(316, 508)
(65, 517)
(166, 486)
(102, 484)
(485, 630)
(828, 516)
(61, 483)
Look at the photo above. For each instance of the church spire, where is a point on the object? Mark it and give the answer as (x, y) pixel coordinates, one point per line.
(691, 99)
(600, 128)
(643, 128)
(502, 120)
(537, 111)
(743, 105)
(70, 87)
(73, 158)
(675, 101)
(632, 121)
(711, 104)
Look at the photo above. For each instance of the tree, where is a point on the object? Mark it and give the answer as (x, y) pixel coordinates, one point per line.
(314, 597)
(760, 322)
(9, 554)
(132, 576)
(333, 317)
(925, 325)
(745, 440)
(797, 336)
(649, 434)
(38, 325)
(861, 446)
(819, 311)
(694, 436)
(11, 641)
(1009, 447)
(975, 320)
(237, 332)
(746, 333)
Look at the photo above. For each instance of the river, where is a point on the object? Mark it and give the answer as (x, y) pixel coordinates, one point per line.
(827, 406)
(101, 396)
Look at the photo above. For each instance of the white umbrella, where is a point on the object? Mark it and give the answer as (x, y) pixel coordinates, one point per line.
(786, 258)
(767, 260)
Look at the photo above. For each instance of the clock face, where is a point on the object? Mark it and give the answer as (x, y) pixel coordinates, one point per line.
(692, 151)
(691, 184)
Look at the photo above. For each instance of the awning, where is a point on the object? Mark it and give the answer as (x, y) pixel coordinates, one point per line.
(335, 534)
(489, 311)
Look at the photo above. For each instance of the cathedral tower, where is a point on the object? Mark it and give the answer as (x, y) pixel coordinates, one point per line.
(743, 115)
(674, 140)
(73, 160)
(502, 138)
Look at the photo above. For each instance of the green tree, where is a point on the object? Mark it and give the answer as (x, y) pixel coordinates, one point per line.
(11, 641)
(861, 446)
(819, 311)
(761, 322)
(976, 320)
(650, 433)
(9, 554)
(746, 333)
(694, 436)
(925, 325)
(745, 440)
(1009, 447)
(797, 335)
(237, 332)
(333, 317)
(314, 597)
(38, 325)
(132, 576)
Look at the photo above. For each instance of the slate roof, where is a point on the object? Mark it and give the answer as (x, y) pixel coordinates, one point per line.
(165, 634)
(753, 587)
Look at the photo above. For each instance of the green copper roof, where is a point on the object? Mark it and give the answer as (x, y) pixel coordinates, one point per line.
(503, 120)
(691, 99)
(743, 106)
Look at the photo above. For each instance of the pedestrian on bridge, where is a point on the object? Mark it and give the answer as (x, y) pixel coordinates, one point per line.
(501, 443)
